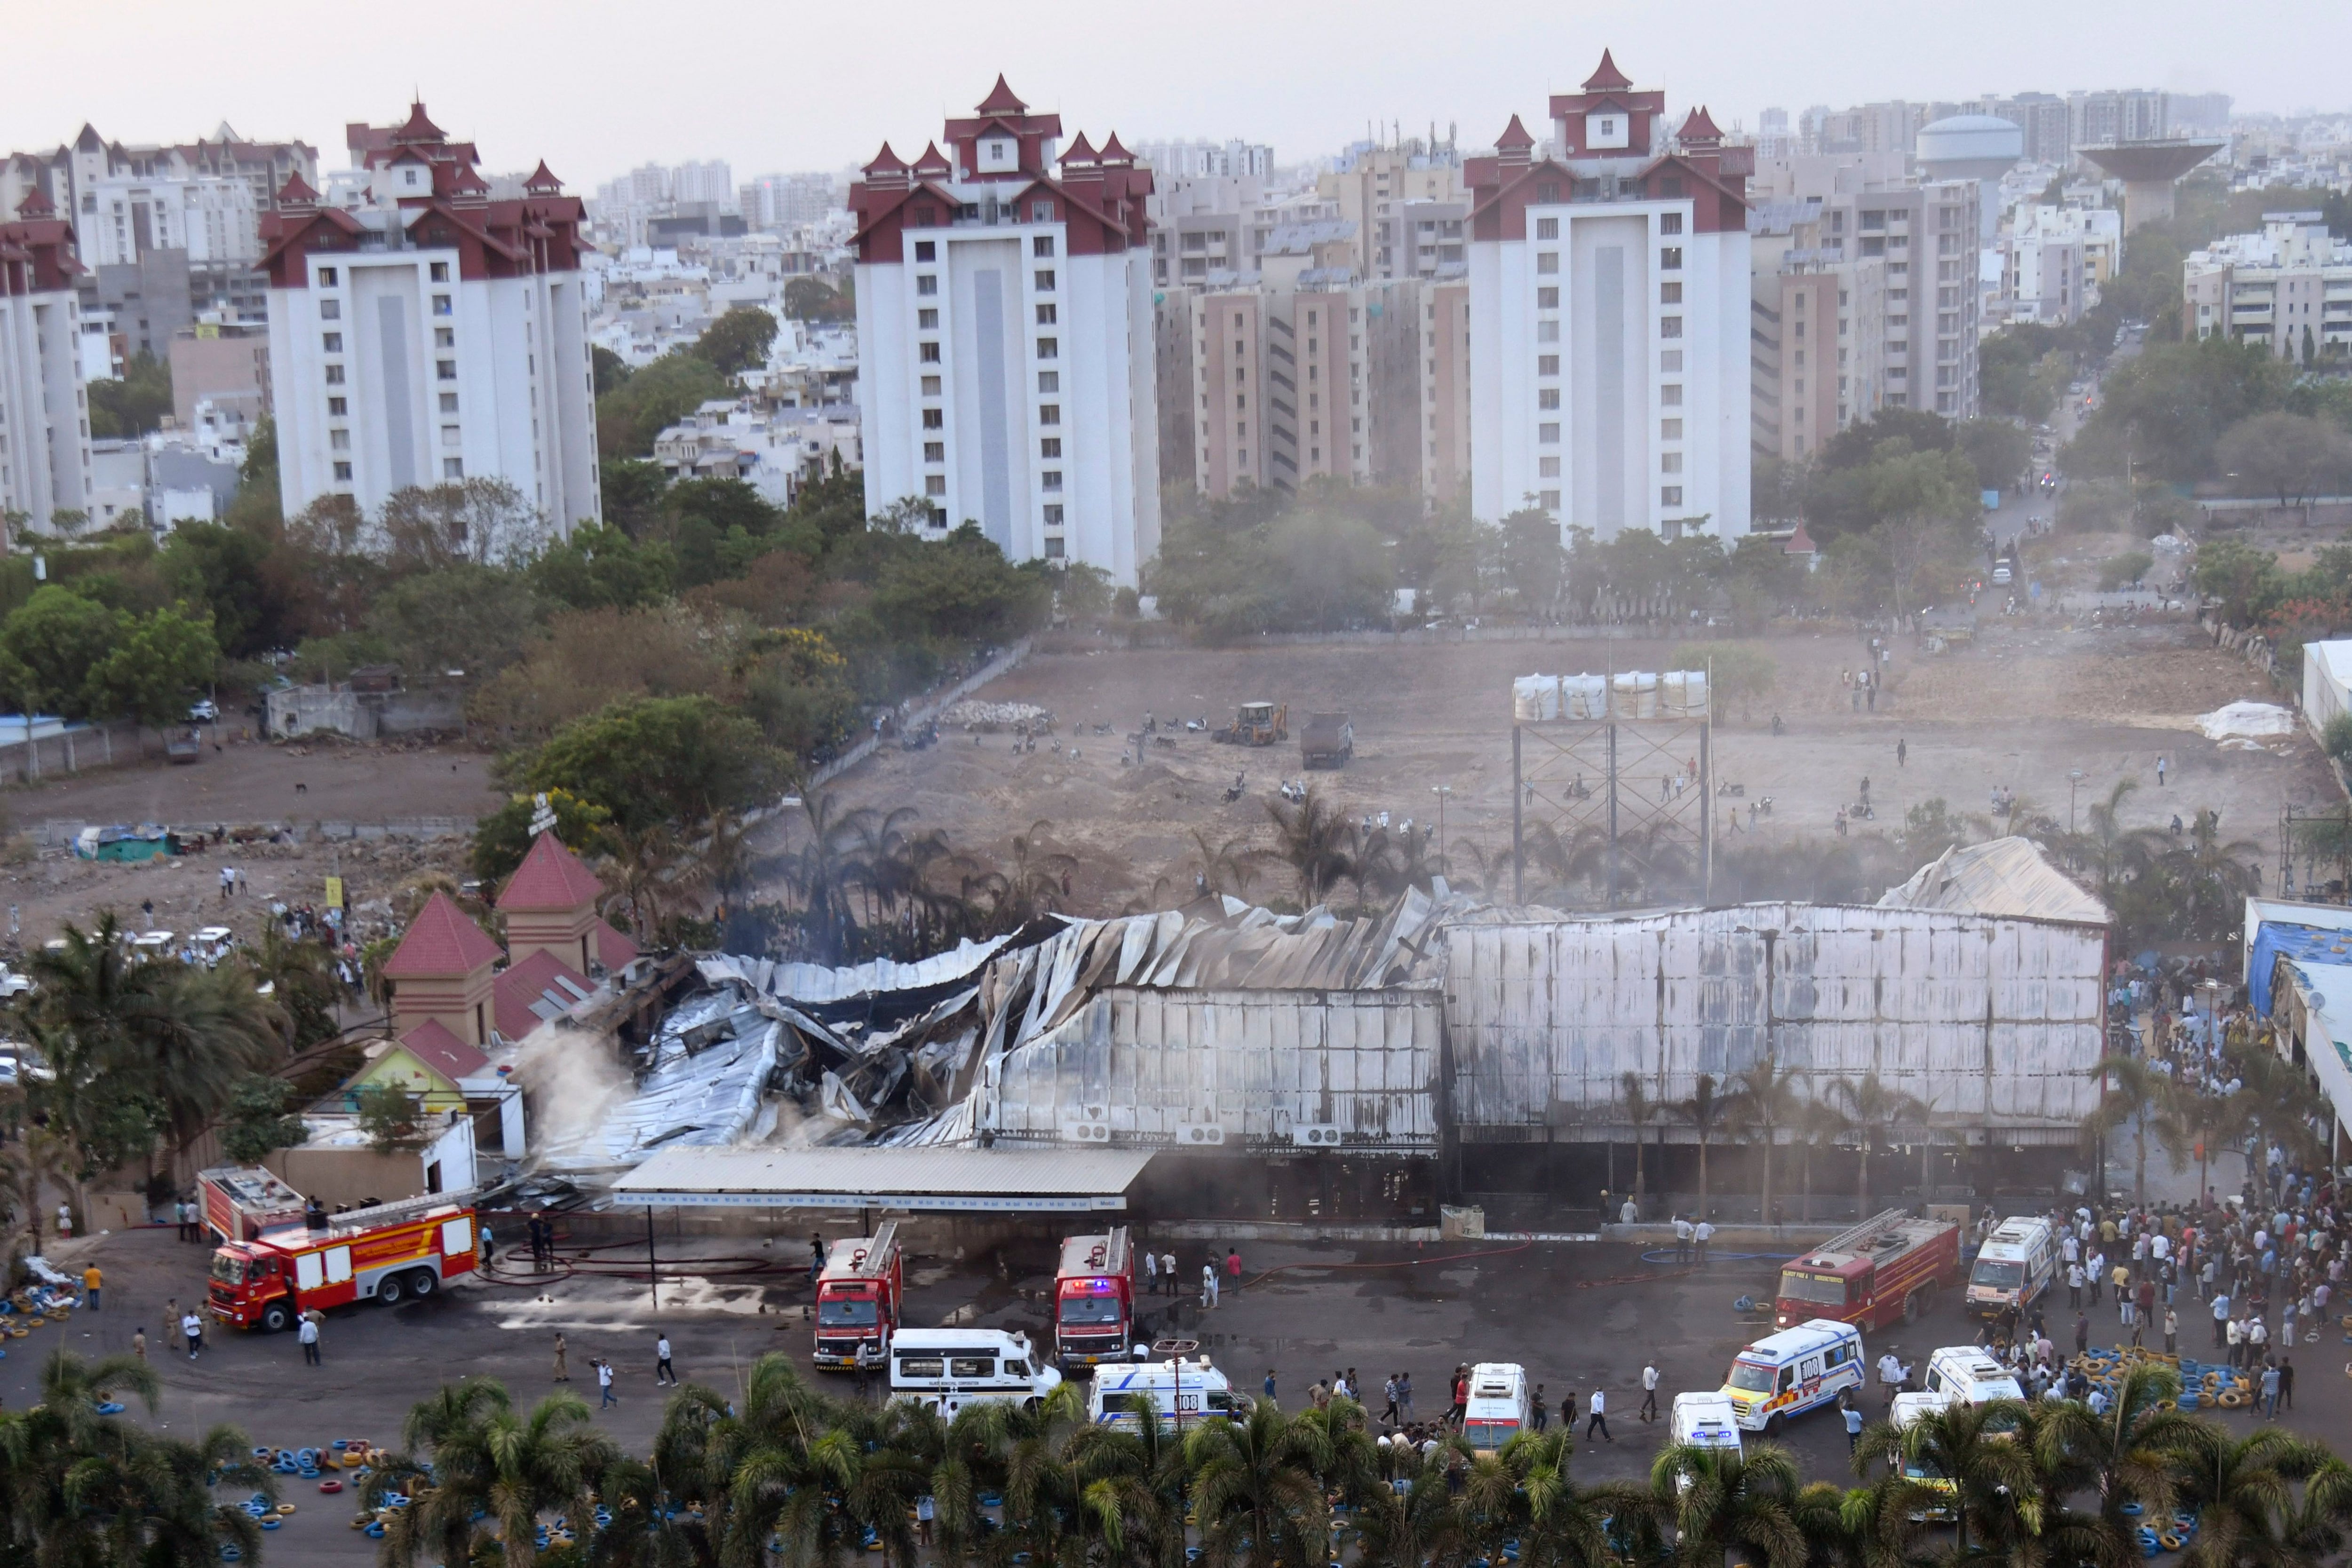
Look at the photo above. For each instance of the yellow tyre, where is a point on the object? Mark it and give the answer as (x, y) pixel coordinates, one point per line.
(2232, 1400)
(2170, 1542)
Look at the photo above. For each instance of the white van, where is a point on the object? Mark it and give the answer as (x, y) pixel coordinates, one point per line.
(1499, 1410)
(2017, 1263)
(1908, 1408)
(1970, 1375)
(1796, 1370)
(1704, 1421)
(1183, 1392)
(947, 1369)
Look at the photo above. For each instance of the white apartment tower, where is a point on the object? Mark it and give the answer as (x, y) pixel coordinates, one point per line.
(1004, 327)
(1608, 293)
(43, 410)
(424, 334)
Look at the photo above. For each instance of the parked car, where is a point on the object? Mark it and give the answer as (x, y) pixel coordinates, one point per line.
(204, 711)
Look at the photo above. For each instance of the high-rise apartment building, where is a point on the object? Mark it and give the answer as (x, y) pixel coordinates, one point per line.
(1609, 318)
(45, 464)
(1171, 160)
(422, 333)
(2044, 118)
(214, 218)
(2134, 114)
(1407, 204)
(1004, 325)
(783, 202)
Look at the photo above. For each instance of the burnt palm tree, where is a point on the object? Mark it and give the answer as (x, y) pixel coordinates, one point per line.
(1706, 1111)
(1314, 838)
(1764, 1102)
(1640, 1110)
(1816, 1122)
(1872, 1107)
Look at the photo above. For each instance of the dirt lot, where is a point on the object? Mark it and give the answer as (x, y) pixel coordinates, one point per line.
(239, 785)
(2027, 706)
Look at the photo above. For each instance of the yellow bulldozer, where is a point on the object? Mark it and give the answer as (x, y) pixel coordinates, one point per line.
(1257, 724)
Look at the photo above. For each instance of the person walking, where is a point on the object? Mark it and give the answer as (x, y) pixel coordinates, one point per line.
(91, 1281)
(869, 1362)
(2159, 769)
(1459, 1412)
(2286, 1382)
(1150, 1273)
(1168, 1277)
(1208, 1286)
(2258, 1340)
(1268, 1386)
(1902, 751)
(1234, 1266)
(1598, 1418)
(926, 1510)
(307, 1335)
(1404, 1396)
(2171, 1332)
(1650, 1390)
(663, 1370)
(138, 1342)
(2081, 1333)
(2074, 1285)
(192, 1328)
(1853, 1425)
(604, 1383)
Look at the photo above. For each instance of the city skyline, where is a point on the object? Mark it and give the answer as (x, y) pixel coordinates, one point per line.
(171, 81)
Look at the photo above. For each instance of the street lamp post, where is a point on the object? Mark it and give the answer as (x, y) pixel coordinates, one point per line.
(2073, 782)
(1441, 792)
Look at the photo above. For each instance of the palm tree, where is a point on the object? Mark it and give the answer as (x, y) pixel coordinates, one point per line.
(1257, 1487)
(822, 872)
(1226, 868)
(1872, 1107)
(1036, 875)
(488, 1460)
(2124, 1456)
(1314, 838)
(1974, 1447)
(1880, 1524)
(2139, 1096)
(2243, 1490)
(642, 867)
(1818, 1122)
(1704, 1112)
(1640, 1110)
(300, 977)
(2211, 1122)
(1721, 1500)
(1763, 1101)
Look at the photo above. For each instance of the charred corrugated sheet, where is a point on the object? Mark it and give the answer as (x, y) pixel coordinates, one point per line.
(1258, 1066)
(1994, 1022)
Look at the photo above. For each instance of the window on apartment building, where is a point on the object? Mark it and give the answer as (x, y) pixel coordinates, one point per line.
(449, 403)
(1548, 434)
(927, 353)
(927, 250)
(1670, 430)
(453, 468)
(1546, 228)
(445, 369)
(1670, 258)
(1874, 218)
(343, 473)
(1670, 293)
(441, 305)
(338, 440)
(327, 278)
(1045, 314)
(1049, 414)
(1547, 191)
(1670, 223)
(1045, 280)
(926, 283)
(335, 375)
(331, 309)
(1052, 514)
(1670, 495)
(1548, 467)
(1049, 348)
(1049, 381)
(1671, 361)
(1041, 212)
(927, 320)
(337, 408)
(935, 419)
(1548, 500)
(1548, 299)
(1670, 463)
(1547, 397)
(1547, 331)
(444, 337)
(1669, 326)
(1049, 447)
(1051, 479)
(1670, 394)
(1041, 245)
(332, 342)
(935, 451)
(935, 483)
(1547, 261)
(1547, 364)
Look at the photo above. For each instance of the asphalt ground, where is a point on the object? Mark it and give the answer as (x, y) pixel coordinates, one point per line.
(1576, 1314)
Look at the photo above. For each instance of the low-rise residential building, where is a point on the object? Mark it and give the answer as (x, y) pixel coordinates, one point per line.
(776, 450)
(2288, 288)
(225, 363)
(44, 459)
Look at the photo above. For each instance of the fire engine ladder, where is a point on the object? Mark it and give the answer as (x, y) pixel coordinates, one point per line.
(1857, 1238)
(876, 1251)
(1115, 1254)
(400, 1209)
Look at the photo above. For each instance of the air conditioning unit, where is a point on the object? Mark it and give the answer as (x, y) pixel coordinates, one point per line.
(1085, 1132)
(1315, 1134)
(1202, 1135)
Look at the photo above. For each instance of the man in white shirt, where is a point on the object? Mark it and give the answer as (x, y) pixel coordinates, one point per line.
(1702, 1233)
(308, 1334)
(1682, 1239)
(1599, 1420)
(1650, 1391)
(1628, 1215)
(1890, 1375)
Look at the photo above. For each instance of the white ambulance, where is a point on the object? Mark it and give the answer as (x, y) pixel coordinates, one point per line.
(1183, 1392)
(1798, 1369)
(947, 1369)
(1499, 1410)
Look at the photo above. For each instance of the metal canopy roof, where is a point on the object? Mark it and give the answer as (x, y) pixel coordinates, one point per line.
(962, 1180)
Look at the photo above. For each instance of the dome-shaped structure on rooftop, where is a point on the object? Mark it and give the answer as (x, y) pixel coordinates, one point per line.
(1979, 147)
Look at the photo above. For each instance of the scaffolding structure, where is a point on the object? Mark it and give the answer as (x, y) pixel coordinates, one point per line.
(1623, 783)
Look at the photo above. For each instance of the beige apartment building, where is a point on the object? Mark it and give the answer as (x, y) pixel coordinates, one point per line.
(2288, 288)
(1816, 332)
(1409, 207)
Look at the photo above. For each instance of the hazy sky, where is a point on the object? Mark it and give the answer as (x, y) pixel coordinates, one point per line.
(597, 85)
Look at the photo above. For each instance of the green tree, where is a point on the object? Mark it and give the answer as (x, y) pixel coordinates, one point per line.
(134, 403)
(2247, 581)
(56, 639)
(503, 838)
(257, 1123)
(2166, 409)
(481, 521)
(1314, 838)
(653, 397)
(1257, 1488)
(1706, 1111)
(2290, 456)
(739, 340)
(1995, 448)
(1872, 1107)
(492, 1469)
(1532, 564)
(1996, 1488)
(811, 297)
(2243, 1490)
(392, 1117)
(1763, 1103)
(603, 568)
(1732, 1502)
(160, 664)
(608, 369)
(657, 761)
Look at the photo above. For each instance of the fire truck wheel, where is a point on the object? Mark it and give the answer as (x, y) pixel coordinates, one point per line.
(422, 1282)
(392, 1289)
(276, 1318)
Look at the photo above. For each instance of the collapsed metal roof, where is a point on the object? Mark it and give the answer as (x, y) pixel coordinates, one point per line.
(2008, 876)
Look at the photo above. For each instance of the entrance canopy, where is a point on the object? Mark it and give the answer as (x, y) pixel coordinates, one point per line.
(923, 1180)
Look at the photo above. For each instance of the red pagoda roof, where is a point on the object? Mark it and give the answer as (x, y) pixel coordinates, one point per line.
(442, 943)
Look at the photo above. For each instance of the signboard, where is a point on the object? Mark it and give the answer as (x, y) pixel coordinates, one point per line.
(335, 893)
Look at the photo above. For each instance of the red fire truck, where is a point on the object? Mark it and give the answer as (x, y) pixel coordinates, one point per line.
(1888, 1267)
(859, 1296)
(266, 1274)
(1094, 1299)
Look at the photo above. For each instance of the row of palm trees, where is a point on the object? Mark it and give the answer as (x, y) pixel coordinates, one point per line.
(2274, 1101)
(784, 1473)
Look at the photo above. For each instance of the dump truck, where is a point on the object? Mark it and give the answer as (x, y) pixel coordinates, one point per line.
(1257, 724)
(1327, 741)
